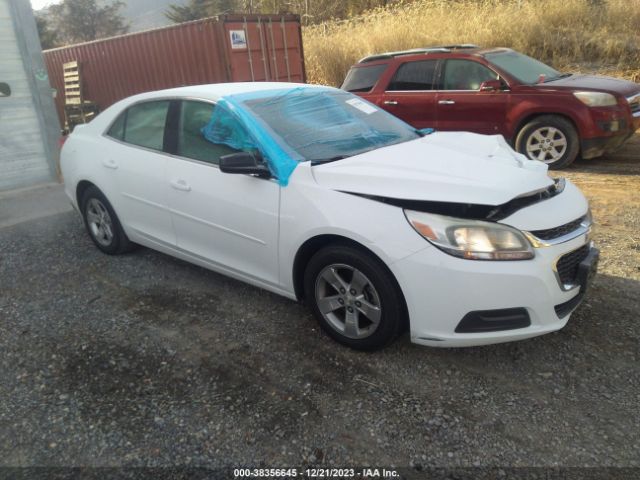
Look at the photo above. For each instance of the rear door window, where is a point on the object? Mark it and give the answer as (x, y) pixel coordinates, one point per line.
(362, 79)
(145, 123)
(117, 128)
(418, 75)
(466, 75)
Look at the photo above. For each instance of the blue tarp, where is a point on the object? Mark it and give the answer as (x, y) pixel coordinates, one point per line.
(302, 124)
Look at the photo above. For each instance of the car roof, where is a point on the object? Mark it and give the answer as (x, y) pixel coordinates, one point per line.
(215, 91)
(466, 49)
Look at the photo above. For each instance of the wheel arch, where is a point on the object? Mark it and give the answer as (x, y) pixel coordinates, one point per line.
(314, 244)
(82, 187)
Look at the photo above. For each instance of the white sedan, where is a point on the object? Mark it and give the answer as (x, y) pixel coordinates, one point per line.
(317, 195)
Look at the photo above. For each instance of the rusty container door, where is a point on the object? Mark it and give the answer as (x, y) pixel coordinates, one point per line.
(264, 48)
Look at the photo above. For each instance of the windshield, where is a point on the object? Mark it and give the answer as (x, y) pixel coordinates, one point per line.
(325, 125)
(525, 69)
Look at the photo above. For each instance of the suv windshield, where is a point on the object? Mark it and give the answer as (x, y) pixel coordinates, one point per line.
(525, 69)
(324, 125)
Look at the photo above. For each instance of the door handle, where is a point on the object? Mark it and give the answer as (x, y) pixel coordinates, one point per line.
(446, 102)
(390, 102)
(109, 163)
(180, 185)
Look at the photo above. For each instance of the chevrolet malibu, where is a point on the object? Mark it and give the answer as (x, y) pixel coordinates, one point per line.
(317, 195)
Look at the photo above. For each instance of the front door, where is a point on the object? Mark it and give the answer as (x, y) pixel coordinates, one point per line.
(229, 220)
(462, 106)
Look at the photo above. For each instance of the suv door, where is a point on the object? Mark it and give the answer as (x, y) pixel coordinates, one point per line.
(410, 93)
(228, 220)
(138, 163)
(461, 103)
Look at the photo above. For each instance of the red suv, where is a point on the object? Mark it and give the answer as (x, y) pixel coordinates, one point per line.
(546, 115)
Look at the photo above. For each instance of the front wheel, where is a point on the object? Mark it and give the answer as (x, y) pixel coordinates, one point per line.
(354, 297)
(550, 139)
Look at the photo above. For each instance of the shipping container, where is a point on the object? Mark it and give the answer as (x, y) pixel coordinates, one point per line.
(228, 48)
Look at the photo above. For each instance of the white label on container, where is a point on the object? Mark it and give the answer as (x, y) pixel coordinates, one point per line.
(238, 39)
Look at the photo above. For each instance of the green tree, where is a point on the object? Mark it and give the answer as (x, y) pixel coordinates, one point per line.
(48, 36)
(197, 9)
(86, 20)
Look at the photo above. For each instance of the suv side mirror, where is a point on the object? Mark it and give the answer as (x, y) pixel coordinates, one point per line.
(5, 89)
(245, 163)
(491, 86)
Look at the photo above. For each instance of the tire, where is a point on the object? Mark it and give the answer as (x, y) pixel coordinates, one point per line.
(102, 223)
(551, 139)
(377, 305)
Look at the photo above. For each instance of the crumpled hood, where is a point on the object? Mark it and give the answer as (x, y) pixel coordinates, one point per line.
(444, 166)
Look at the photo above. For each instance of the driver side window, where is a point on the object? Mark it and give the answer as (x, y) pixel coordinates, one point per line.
(192, 143)
(466, 75)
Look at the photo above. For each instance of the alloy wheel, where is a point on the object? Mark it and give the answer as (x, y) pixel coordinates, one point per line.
(348, 301)
(99, 222)
(547, 144)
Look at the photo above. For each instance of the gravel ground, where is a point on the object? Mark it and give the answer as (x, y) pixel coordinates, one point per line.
(144, 360)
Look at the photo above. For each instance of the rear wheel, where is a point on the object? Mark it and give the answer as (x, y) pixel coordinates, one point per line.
(550, 139)
(102, 223)
(354, 297)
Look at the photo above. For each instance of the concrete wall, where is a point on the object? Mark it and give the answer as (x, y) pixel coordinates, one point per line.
(29, 127)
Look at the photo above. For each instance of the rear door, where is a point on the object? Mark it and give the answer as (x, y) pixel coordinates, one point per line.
(462, 106)
(136, 158)
(410, 93)
(230, 220)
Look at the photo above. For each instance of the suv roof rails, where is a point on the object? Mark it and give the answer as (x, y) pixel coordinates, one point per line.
(414, 51)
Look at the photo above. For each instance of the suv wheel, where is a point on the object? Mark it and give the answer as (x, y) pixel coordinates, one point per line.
(355, 299)
(550, 139)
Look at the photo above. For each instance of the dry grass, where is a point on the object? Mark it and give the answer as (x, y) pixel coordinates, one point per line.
(581, 35)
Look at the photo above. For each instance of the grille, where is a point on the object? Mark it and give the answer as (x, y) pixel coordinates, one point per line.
(568, 264)
(558, 232)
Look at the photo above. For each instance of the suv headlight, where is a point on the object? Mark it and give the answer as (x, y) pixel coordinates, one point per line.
(596, 99)
(471, 239)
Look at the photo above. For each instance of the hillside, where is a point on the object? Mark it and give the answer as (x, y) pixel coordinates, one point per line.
(145, 14)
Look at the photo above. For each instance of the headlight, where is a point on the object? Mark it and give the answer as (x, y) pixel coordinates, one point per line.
(596, 99)
(471, 239)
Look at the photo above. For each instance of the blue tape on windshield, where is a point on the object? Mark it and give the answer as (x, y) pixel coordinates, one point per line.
(281, 163)
(226, 129)
(304, 123)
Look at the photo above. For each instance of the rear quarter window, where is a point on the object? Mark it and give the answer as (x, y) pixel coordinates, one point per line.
(362, 79)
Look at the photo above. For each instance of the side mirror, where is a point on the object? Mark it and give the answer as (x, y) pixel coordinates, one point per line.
(5, 89)
(245, 163)
(491, 86)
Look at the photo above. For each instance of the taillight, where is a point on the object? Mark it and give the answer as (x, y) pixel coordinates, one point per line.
(62, 140)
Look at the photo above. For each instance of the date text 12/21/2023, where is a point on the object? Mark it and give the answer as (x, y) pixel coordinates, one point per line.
(310, 473)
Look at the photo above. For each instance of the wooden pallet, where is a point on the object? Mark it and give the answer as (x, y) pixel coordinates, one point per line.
(77, 110)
